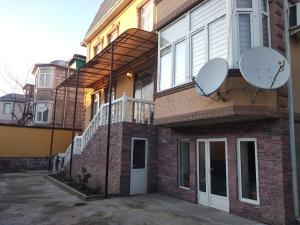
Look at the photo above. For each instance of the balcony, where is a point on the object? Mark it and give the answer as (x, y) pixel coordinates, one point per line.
(124, 109)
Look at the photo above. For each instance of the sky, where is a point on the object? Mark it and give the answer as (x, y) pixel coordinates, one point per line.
(39, 31)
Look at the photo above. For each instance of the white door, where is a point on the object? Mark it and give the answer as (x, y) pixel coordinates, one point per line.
(212, 175)
(138, 178)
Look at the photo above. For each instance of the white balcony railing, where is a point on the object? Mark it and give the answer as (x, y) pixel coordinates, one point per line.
(124, 109)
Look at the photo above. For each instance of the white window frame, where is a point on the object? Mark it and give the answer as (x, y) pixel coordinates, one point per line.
(255, 24)
(255, 202)
(44, 82)
(148, 9)
(179, 165)
(36, 112)
(188, 38)
(10, 105)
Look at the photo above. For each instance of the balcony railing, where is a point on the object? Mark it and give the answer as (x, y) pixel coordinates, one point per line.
(124, 109)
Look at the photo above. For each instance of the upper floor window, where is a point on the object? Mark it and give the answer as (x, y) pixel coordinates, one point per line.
(41, 112)
(113, 35)
(146, 16)
(204, 33)
(98, 48)
(252, 24)
(186, 44)
(45, 77)
(7, 108)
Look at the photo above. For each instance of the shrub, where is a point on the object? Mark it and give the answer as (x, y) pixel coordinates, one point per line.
(83, 178)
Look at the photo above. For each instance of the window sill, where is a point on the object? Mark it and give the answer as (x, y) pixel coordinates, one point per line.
(252, 202)
(185, 188)
(174, 89)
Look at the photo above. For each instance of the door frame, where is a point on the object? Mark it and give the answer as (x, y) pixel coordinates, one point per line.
(207, 166)
(146, 161)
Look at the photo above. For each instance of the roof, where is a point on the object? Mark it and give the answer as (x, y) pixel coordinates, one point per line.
(12, 97)
(104, 8)
(77, 57)
(58, 63)
(128, 47)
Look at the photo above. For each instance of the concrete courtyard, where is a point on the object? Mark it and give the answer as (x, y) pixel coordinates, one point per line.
(30, 199)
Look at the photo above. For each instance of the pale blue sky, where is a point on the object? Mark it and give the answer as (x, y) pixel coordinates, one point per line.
(34, 31)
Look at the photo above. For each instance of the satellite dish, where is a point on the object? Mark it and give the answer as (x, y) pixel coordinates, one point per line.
(264, 68)
(211, 76)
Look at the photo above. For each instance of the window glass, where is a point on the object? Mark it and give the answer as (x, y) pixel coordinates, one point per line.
(244, 32)
(206, 13)
(264, 5)
(165, 69)
(180, 63)
(184, 164)
(45, 78)
(7, 108)
(174, 32)
(218, 177)
(198, 52)
(218, 42)
(244, 3)
(202, 167)
(147, 17)
(138, 155)
(113, 35)
(265, 30)
(42, 112)
(98, 48)
(248, 173)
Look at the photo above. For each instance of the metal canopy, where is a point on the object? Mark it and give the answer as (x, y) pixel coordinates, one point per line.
(128, 47)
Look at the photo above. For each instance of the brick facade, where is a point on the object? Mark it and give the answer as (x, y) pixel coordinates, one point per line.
(93, 158)
(23, 163)
(274, 166)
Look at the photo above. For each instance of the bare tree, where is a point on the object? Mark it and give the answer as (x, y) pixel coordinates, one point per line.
(22, 108)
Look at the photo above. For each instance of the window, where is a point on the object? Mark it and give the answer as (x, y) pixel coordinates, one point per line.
(189, 42)
(7, 108)
(252, 24)
(203, 34)
(248, 170)
(42, 112)
(146, 16)
(98, 48)
(95, 105)
(45, 78)
(184, 164)
(113, 35)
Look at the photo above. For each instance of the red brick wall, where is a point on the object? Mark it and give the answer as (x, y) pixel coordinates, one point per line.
(276, 198)
(93, 158)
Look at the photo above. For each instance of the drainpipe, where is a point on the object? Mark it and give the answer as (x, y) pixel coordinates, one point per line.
(291, 111)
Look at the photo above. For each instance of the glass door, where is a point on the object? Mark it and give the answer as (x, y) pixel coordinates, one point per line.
(212, 173)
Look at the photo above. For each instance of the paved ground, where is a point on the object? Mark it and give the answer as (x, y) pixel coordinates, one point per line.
(30, 199)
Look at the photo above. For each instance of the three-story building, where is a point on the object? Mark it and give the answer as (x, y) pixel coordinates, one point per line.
(229, 151)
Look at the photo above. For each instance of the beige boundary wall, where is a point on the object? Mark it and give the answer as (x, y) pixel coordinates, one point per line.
(32, 141)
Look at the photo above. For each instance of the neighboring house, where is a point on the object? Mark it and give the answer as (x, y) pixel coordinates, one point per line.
(48, 77)
(230, 151)
(11, 108)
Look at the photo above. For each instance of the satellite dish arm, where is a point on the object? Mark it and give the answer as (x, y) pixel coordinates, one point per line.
(195, 82)
(281, 65)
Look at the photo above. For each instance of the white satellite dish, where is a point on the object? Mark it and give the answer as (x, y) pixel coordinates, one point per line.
(264, 68)
(211, 76)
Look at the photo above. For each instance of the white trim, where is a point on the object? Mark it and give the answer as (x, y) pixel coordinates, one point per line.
(208, 175)
(187, 37)
(49, 108)
(146, 161)
(255, 202)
